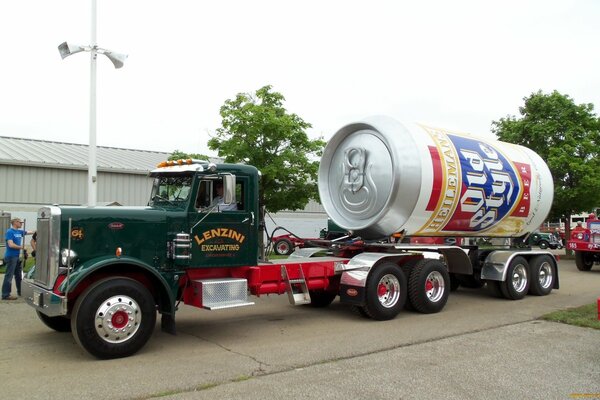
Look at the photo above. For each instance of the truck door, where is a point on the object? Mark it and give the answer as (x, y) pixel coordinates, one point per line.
(223, 235)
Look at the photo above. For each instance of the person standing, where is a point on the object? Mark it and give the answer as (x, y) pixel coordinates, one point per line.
(15, 242)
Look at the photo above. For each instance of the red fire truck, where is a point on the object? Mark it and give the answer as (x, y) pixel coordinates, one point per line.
(585, 241)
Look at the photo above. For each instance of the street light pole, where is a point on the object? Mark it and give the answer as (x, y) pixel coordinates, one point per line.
(92, 163)
(117, 59)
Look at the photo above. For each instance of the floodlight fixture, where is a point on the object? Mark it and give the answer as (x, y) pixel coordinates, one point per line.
(66, 49)
(117, 59)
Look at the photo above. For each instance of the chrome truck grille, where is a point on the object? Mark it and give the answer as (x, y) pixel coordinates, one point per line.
(48, 246)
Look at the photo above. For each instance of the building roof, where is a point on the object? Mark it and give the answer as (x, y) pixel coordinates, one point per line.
(48, 154)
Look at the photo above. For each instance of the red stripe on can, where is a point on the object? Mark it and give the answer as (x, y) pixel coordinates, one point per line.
(436, 189)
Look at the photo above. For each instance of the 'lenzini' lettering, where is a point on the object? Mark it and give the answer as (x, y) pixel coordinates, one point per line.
(220, 233)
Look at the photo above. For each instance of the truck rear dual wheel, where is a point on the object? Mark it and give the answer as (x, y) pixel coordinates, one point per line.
(386, 292)
(113, 318)
(517, 282)
(584, 260)
(428, 286)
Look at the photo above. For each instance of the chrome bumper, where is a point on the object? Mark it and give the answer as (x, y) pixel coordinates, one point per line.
(43, 300)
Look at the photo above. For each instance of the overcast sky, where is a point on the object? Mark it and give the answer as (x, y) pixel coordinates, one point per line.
(454, 64)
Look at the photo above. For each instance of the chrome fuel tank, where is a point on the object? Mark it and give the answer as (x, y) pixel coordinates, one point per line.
(378, 177)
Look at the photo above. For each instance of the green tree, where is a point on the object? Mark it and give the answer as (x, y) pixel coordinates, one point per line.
(178, 155)
(257, 130)
(567, 137)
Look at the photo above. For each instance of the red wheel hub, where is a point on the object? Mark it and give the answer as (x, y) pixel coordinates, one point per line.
(119, 319)
(428, 286)
(381, 290)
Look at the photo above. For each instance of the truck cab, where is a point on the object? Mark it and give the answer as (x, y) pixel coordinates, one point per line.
(212, 212)
(102, 272)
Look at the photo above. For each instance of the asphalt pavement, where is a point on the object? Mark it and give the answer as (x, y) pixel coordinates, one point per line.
(477, 347)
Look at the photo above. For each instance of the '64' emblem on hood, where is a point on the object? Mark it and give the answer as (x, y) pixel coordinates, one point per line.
(116, 226)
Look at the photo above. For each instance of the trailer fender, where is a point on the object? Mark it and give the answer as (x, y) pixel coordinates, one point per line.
(496, 264)
(355, 273)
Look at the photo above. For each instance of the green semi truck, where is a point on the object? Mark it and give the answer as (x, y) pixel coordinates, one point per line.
(103, 273)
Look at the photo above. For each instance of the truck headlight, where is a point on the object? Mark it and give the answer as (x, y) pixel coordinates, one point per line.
(67, 257)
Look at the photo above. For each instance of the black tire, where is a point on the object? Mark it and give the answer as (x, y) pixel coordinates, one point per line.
(283, 247)
(321, 298)
(543, 275)
(429, 286)
(493, 288)
(584, 260)
(132, 307)
(517, 282)
(543, 244)
(59, 324)
(386, 292)
(408, 268)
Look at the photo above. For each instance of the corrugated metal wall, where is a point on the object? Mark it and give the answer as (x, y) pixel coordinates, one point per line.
(31, 185)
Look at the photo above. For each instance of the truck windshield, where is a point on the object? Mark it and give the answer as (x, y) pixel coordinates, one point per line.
(172, 190)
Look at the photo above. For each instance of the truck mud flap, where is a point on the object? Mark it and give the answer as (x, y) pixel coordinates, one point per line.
(354, 295)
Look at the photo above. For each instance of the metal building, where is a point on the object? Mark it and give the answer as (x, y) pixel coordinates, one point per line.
(34, 173)
(39, 172)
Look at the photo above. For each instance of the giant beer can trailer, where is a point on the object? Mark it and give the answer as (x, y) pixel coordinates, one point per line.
(378, 177)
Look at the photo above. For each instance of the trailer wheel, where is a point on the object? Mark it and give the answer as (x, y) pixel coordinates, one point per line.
(283, 247)
(516, 285)
(542, 275)
(408, 268)
(493, 288)
(583, 260)
(114, 318)
(321, 298)
(59, 324)
(428, 286)
(386, 292)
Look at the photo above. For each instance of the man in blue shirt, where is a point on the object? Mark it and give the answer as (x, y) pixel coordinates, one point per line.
(14, 244)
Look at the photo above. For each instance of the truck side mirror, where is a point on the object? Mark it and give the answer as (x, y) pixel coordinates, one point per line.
(229, 189)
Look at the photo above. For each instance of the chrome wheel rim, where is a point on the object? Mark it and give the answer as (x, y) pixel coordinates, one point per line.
(519, 278)
(545, 277)
(434, 286)
(388, 290)
(118, 319)
(283, 247)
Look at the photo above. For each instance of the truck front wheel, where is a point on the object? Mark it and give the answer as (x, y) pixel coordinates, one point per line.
(516, 285)
(584, 260)
(386, 292)
(428, 286)
(113, 318)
